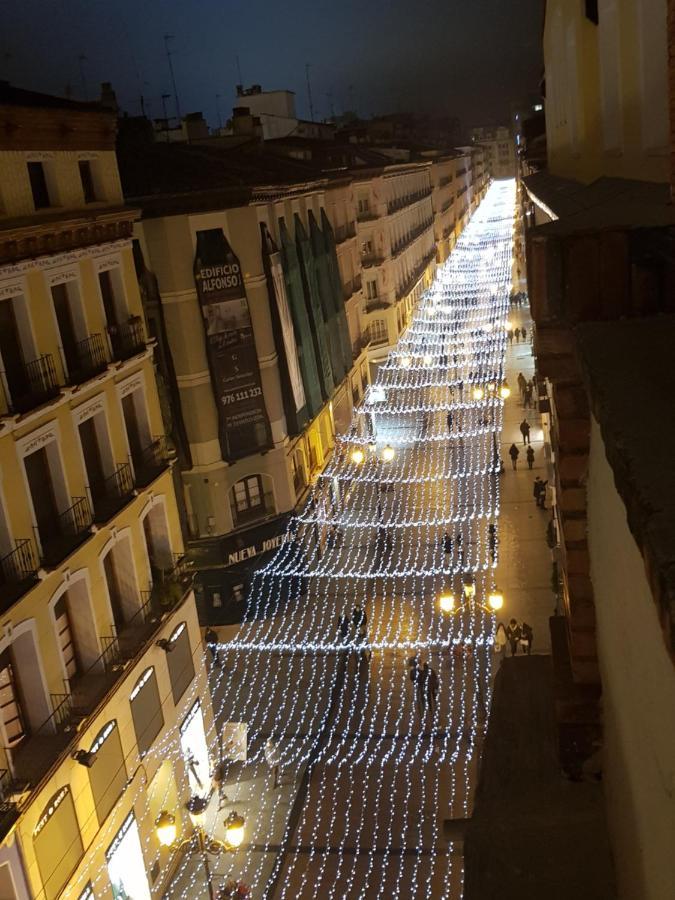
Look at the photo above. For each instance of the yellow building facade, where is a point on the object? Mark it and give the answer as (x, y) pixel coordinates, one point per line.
(91, 571)
(607, 89)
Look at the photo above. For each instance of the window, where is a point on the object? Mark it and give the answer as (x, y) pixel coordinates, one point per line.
(179, 661)
(126, 866)
(108, 774)
(10, 702)
(146, 710)
(38, 185)
(591, 11)
(367, 248)
(87, 179)
(195, 751)
(378, 332)
(364, 204)
(371, 290)
(57, 843)
(248, 493)
(64, 636)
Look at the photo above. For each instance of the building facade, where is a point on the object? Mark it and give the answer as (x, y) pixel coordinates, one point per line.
(601, 285)
(259, 305)
(500, 150)
(91, 576)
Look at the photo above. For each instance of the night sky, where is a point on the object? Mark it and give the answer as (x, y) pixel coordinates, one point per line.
(468, 59)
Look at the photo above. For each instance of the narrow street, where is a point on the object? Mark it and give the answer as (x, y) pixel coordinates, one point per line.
(367, 771)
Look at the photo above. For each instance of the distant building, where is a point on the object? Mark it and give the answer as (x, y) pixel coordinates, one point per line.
(601, 282)
(275, 110)
(100, 652)
(500, 150)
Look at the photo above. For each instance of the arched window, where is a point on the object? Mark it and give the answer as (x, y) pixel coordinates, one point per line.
(57, 842)
(146, 710)
(251, 499)
(179, 661)
(108, 773)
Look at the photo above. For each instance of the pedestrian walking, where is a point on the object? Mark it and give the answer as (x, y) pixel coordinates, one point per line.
(500, 638)
(513, 634)
(523, 331)
(514, 453)
(526, 638)
(447, 544)
(343, 628)
(449, 422)
(359, 619)
(527, 398)
(509, 335)
(517, 334)
(525, 431)
(421, 683)
(211, 639)
(522, 383)
(539, 491)
(432, 687)
(492, 540)
(530, 456)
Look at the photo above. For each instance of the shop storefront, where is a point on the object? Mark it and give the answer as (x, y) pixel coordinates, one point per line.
(126, 866)
(225, 568)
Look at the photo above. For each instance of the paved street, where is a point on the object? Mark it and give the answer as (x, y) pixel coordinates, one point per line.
(370, 764)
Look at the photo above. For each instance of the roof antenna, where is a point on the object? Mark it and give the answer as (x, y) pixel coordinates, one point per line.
(167, 38)
(81, 59)
(309, 94)
(241, 82)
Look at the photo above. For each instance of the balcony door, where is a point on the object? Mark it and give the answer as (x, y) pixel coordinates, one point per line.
(114, 590)
(11, 710)
(66, 639)
(93, 460)
(12, 355)
(42, 494)
(67, 326)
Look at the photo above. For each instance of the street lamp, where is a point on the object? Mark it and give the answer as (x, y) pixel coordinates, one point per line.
(495, 600)
(447, 602)
(505, 391)
(358, 456)
(478, 393)
(388, 453)
(165, 827)
(469, 586)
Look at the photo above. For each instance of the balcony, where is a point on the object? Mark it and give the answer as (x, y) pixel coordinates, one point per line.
(344, 232)
(152, 461)
(447, 179)
(414, 276)
(446, 206)
(110, 494)
(90, 360)
(399, 246)
(65, 533)
(366, 215)
(375, 304)
(42, 749)
(359, 345)
(29, 385)
(401, 202)
(252, 514)
(18, 572)
(371, 259)
(351, 287)
(128, 339)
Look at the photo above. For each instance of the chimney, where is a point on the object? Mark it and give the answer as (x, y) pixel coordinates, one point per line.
(108, 97)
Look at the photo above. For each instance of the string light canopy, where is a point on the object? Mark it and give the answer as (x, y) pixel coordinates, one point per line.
(397, 526)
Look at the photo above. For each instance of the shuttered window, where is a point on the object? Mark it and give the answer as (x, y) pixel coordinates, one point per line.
(108, 775)
(146, 710)
(57, 843)
(179, 661)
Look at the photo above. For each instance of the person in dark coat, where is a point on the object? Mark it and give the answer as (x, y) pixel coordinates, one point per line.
(522, 383)
(539, 492)
(514, 453)
(432, 687)
(447, 544)
(523, 331)
(422, 688)
(513, 634)
(530, 456)
(527, 398)
(492, 540)
(517, 334)
(527, 636)
(343, 628)
(359, 619)
(211, 639)
(449, 420)
(525, 431)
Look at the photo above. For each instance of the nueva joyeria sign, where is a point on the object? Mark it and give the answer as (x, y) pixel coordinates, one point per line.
(262, 546)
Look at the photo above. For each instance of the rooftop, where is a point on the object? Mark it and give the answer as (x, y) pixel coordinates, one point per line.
(607, 203)
(631, 403)
(14, 96)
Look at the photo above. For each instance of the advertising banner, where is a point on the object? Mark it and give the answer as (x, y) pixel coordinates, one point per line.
(230, 347)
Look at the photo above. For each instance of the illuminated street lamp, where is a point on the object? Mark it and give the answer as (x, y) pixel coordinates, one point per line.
(478, 393)
(357, 456)
(505, 391)
(235, 824)
(495, 600)
(388, 453)
(447, 602)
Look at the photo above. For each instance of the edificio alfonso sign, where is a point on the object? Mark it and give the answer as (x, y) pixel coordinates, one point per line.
(230, 346)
